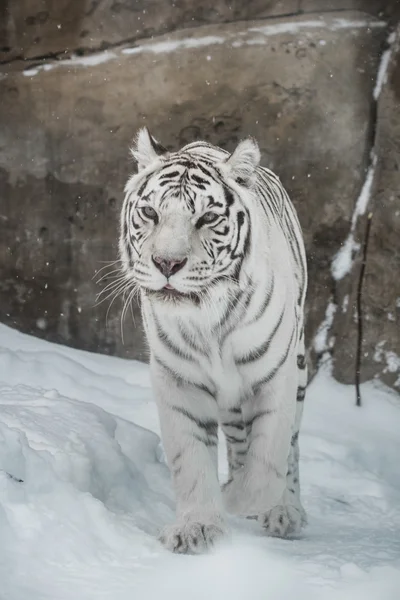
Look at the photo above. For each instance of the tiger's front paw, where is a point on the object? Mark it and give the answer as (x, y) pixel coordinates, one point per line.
(283, 521)
(191, 537)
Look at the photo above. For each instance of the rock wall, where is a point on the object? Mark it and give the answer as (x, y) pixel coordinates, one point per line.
(31, 29)
(381, 289)
(302, 84)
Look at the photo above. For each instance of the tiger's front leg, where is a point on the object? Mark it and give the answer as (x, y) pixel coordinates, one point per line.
(189, 429)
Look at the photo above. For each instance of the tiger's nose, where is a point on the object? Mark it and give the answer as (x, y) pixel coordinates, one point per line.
(168, 267)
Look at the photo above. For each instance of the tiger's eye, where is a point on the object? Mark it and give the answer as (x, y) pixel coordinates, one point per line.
(209, 217)
(149, 212)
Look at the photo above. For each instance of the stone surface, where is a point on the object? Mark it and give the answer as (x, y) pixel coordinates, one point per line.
(381, 290)
(34, 28)
(304, 92)
(386, 9)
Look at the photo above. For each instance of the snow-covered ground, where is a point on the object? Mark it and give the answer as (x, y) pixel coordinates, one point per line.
(81, 432)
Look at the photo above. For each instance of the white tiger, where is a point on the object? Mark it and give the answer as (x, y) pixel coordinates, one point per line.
(213, 242)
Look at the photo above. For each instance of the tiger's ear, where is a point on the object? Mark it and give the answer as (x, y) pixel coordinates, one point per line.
(243, 162)
(146, 149)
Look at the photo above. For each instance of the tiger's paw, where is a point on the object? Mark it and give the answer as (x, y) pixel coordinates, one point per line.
(191, 537)
(283, 521)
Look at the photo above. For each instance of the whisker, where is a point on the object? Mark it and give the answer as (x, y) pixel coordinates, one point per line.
(117, 288)
(118, 293)
(124, 310)
(108, 275)
(110, 263)
(113, 283)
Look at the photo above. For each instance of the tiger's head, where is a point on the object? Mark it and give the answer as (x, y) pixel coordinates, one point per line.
(185, 222)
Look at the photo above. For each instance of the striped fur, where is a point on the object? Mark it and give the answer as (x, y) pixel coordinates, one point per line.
(227, 343)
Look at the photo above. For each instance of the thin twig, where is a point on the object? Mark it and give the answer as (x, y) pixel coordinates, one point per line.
(359, 310)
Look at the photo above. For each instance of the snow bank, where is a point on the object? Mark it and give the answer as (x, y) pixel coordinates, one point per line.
(84, 491)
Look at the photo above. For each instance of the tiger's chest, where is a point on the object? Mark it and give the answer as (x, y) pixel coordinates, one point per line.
(204, 354)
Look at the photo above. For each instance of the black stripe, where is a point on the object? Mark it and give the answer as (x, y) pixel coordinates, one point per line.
(210, 426)
(203, 388)
(180, 381)
(125, 229)
(230, 307)
(240, 452)
(243, 308)
(212, 176)
(267, 300)
(170, 175)
(143, 186)
(258, 415)
(301, 361)
(229, 197)
(168, 343)
(191, 490)
(188, 340)
(212, 203)
(268, 378)
(234, 440)
(261, 350)
(301, 392)
(247, 241)
(176, 471)
(176, 458)
(129, 253)
(240, 223)
(199, 180)
(206, 442)
(140, 272)
(239, 425)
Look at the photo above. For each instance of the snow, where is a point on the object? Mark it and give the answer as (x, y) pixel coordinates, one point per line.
(391, 359)
(383, 66)
(321, 343)
(172, 45)
(81, 432)
(343, 260)
(91, 60)
(335, 24)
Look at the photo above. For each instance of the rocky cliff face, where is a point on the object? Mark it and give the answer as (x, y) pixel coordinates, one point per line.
(381, 289)
(319, 92)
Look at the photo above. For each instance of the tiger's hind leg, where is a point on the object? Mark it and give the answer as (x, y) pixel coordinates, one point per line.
(267, 487)
(234, 429)
(289, 517)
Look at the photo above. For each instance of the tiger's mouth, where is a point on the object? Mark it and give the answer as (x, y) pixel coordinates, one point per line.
(169, 293)
(169, 290)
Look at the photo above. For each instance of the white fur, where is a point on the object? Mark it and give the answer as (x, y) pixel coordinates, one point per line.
(143, 150)
(260, 483)
(244, 160)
